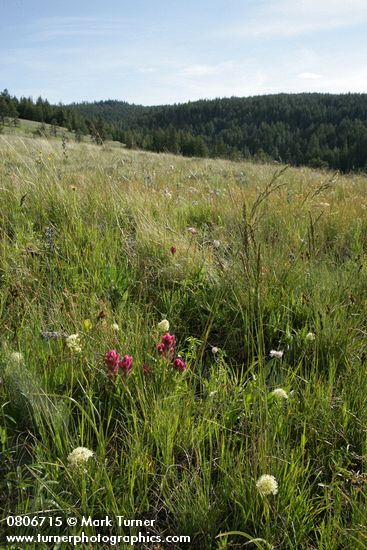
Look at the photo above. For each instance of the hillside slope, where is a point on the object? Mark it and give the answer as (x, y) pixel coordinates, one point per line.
(244, 411)
(301, 129)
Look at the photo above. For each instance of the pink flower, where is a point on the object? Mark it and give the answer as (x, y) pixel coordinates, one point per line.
(112, 359)
(167, 345)
(126, 364)
(179, 365)
(169, 340)
(173, 250)
(160, 348)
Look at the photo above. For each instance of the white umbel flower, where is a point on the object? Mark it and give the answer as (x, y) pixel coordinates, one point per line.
(267, 485)
(115, 327)
(216, 244)
(16, 358)
(73, 343)
(277, 354)
(279, 393)
(163, 326)
(310, 337)
(79, 456)
(215, 350)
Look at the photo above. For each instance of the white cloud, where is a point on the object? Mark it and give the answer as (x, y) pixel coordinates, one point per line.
(310, 76)
(195, 70)
(282, 18)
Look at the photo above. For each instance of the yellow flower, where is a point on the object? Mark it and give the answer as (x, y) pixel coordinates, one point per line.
(87, 323)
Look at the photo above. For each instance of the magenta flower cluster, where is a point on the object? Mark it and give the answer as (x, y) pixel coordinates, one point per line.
(115, 363)
(166, 348)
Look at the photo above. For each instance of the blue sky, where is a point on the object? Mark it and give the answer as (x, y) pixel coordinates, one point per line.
(169, 51)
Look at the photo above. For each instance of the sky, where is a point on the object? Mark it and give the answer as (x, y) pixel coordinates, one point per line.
(171, 51)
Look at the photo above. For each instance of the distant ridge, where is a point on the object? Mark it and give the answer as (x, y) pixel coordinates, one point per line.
(322, 130)
(312, 129)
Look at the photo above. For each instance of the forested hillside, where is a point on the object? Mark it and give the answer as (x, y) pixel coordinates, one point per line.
(312, 129)
(319, 130)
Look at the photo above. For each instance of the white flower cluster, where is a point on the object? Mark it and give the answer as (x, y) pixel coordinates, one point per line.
(79, 456)
(267, 485)
(277, 354)
(16, 358)
(73, 343)
(163, 326)
(280, 393)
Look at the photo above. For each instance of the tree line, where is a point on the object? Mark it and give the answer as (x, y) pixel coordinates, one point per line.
(319, 130)
(12, 109)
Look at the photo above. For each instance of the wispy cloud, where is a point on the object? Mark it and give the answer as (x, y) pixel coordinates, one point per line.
(310, 76)
(262, 46)
(46, 29)
(282, 18)
(193, 71)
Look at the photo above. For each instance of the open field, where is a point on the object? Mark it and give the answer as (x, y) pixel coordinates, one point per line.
(264, 259)
(31, 128)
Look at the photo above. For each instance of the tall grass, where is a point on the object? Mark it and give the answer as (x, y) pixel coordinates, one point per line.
(267, 258)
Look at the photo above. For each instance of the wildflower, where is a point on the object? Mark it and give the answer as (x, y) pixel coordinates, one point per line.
(215, 350)
(87, 324)
(160, 348)
(126, 364)
(115, 327)
(163, 326)
(173, 250)
(16, 358)
(73, 343)
(167, 194)
(280, 393)
(52, 334)
(310, 337)
(275, 353)
(79, 456)
(267, 485)
(216, 244)
(112, 359)
(192, 230)
(49, 236)
(167, 345)
(179, 365)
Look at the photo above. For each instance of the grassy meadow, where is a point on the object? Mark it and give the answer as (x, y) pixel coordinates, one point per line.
(243, 260)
